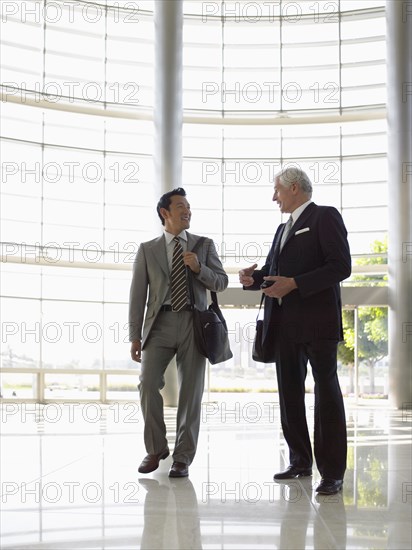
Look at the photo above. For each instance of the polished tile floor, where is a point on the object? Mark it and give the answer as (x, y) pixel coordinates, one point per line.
(69, 480)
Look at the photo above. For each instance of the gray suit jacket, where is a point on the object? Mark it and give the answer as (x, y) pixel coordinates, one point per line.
(151, 281)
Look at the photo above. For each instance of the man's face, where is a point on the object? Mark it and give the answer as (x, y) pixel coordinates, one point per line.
(285, 197)
(177, 218)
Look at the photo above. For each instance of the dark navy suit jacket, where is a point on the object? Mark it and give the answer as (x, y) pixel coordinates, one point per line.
(316, 254)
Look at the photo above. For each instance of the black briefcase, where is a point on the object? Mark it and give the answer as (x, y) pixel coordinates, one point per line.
(261, 353)
(211, 333)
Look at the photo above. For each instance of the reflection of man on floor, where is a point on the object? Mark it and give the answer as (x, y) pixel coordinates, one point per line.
(171, 518)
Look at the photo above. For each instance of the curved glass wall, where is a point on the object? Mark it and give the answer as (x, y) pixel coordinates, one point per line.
(264, 84)
(268, 84)
(272, 83)
(77, 133)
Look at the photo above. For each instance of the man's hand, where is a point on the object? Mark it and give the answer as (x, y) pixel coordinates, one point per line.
(245, 275)
(136, 351)
(281, 286)
(191, 260)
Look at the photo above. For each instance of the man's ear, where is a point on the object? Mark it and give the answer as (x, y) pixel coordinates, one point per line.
(164, 213)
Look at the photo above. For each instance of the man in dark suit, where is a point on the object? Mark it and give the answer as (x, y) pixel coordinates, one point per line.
(308, 259)
(161, 327)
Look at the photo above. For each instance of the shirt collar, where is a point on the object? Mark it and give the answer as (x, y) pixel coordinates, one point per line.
(296, 213)
(169, 236)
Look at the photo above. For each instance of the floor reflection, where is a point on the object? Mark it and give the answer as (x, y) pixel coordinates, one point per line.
(171, 516)
(70, 481)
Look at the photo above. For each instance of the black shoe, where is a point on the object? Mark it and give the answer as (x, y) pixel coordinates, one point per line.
(291, 472)
(328, 486)
(179, 469)
(151, 462)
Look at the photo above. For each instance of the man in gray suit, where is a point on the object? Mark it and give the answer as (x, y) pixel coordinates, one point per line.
(162, 333)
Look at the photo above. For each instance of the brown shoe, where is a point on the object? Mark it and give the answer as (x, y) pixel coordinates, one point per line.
(151, 462)
(179, 469)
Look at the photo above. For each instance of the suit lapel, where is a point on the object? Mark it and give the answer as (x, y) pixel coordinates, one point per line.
(191, 242)
(158, 250)
(300, 222)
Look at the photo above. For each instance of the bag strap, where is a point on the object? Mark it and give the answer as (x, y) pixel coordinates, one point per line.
(260, 306)
(190, 275)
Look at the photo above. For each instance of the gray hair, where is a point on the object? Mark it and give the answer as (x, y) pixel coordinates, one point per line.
(294, 174)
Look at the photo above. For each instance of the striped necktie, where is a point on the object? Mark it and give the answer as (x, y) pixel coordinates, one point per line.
(178, 278)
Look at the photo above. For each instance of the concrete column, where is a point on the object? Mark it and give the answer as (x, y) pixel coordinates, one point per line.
(399, 65)
(168, 116)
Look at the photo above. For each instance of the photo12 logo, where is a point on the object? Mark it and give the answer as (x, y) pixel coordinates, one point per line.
(69, 172)
(68, 12)
(270, 11)
(271, 93)
(126, 93)
(69, 492)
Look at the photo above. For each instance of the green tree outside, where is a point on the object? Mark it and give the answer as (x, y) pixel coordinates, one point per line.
(372, 322)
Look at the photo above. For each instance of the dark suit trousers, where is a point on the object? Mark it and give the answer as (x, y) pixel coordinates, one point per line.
(330, 444)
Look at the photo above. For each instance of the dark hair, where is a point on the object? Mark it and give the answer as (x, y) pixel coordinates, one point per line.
(164, 201)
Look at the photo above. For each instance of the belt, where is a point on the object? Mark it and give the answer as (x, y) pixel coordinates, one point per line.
(168, 307)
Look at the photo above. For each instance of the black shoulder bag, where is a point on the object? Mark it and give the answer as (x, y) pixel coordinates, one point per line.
(261, 353)
(210, 330)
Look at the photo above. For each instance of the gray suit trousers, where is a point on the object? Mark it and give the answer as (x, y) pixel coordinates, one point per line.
(172, 334)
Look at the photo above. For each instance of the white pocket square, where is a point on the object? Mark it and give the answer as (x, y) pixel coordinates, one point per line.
(302, 230)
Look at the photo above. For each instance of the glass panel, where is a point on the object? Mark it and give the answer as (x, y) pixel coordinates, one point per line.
(372, 338)
(122, 387)
(373, 351)
(364, 96)
(57, 39)
(73, 284)
(116, 336)
(357, 29)
(72, 386)
(20, 231)
(360, 243)
(365, 143)
(73, 82)
(22, 333)
(366, 219)
(72, 129)
(242, 373)
(29, 34)
(19, 280)
(18, 120)
(129, 136)
(367, 169)
(21, 168)
(69, 175)
(72, 335)
(365, 194)
(116, 289)
(26, 208)
(16, 385)
(363, 76)
(363, 51)
(350, 5)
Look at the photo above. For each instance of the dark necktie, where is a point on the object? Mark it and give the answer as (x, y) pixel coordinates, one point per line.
(178, 278)
(286, 231)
